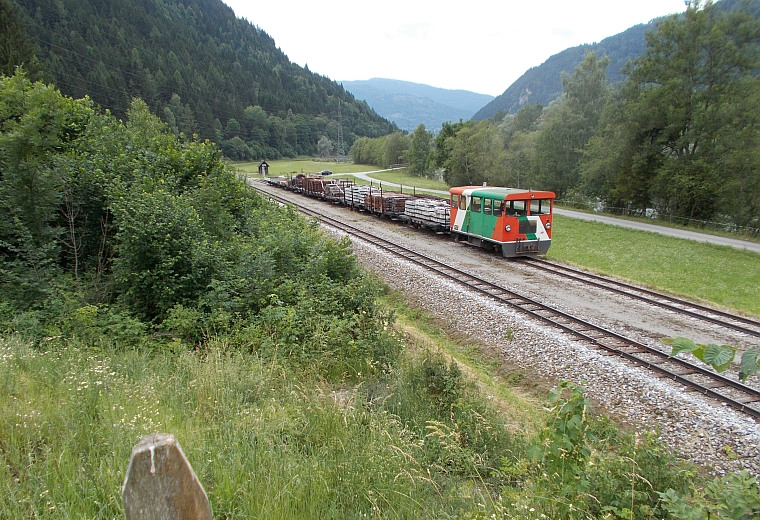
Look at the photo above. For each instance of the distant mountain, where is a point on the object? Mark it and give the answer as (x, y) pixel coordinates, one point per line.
(409, 104)
(543, 84)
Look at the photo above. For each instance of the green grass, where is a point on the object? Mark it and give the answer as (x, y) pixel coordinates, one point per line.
(668, 224)
(401, 177)
(266, 441)
(288, 167)
(726, 276)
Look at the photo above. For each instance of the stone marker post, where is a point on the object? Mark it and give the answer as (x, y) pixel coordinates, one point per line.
(160, 483)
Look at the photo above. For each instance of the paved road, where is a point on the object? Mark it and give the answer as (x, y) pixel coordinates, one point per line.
(678, 233)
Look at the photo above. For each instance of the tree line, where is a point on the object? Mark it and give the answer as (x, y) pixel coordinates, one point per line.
(679, 136)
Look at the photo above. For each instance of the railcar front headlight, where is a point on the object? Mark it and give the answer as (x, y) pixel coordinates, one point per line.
(507, 228)
(548, 225)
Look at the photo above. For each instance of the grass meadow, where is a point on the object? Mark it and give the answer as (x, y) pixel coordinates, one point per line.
(307, 166)
(403, 178)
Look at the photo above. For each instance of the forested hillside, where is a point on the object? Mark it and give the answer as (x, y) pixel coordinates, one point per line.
(543, 84)
(197, 66)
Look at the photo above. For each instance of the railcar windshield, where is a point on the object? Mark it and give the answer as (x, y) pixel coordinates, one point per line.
(515, 207)
(463, 202)
(540, 207)
(454, 201)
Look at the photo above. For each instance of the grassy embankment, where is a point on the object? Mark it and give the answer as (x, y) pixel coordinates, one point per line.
(271, 441)
(266, 441)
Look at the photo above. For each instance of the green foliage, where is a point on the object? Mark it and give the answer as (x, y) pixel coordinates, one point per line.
(673, 143)
(16, 49)
(154, 232)
(720, 357)
(563, 444)
(418, 155)
(37, 127)
(444, 383)
(680, 135)
(584, 467)
(570, 126)
(381, 151)
(734, 496)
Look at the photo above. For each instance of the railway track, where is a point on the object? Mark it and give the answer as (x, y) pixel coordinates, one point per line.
(692, 377)
(737, 323)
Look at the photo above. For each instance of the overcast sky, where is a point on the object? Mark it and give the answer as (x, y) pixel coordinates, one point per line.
(477, 45)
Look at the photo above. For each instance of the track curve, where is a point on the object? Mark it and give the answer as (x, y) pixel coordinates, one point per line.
(693, 377)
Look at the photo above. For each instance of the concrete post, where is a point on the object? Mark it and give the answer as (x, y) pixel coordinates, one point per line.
(160, 483)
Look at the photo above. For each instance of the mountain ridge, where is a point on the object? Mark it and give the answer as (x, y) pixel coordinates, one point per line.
(408, 104)
(543, 83)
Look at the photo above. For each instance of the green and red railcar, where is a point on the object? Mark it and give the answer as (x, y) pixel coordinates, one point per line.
(513, 221)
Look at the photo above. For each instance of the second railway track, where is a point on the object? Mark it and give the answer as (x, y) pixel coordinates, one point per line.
(740, 324)
(693, 377)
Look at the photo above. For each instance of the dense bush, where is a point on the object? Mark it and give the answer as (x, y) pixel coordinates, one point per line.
(110, 230)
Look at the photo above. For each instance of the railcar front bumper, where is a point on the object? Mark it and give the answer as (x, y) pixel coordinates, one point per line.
(525, 247)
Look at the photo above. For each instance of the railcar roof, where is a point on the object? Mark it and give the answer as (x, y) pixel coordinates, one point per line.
(500, 193)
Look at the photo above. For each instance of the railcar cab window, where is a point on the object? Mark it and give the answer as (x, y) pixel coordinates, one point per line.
(515, 207)
(497, 207)
(540, 207)
(454, 201)
(463, 202)
(475, 206)
(487, 206)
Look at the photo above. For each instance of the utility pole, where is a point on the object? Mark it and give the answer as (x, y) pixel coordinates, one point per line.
(341, 152)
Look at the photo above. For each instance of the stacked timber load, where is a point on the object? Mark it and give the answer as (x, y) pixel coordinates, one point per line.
(428, 210)
(356, 195)
(333, 191)
(298, 182)
(387, 203)
(314, 185)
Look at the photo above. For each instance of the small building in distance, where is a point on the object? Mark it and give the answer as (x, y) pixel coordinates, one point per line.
(263, 168)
